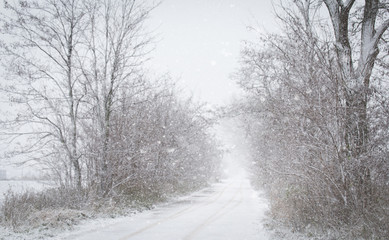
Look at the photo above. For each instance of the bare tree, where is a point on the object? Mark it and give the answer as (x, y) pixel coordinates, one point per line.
(43, 77)
(116, 47)
(356, 75)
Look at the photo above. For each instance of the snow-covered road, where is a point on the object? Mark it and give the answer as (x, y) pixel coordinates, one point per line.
(228, 210)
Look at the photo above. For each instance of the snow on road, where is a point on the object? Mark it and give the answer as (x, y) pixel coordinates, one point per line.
(228, 210)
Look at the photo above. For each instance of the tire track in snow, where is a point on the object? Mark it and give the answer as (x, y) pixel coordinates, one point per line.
(225, 209)
(172, 216)
(177, 214)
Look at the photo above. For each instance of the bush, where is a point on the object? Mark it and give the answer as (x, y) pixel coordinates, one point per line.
(49, 207)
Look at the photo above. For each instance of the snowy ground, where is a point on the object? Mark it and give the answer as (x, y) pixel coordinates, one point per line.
(21, 186)
(228, 210)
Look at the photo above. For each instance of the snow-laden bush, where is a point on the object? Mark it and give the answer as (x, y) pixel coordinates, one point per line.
(157, 148)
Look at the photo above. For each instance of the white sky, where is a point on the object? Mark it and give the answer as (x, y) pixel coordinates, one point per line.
(200, 41)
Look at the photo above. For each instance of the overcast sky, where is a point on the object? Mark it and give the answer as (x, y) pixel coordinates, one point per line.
(200, 42)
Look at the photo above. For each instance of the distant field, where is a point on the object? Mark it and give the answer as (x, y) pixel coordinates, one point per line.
(22, 185)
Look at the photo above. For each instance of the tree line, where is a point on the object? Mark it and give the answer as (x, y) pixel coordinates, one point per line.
(316, 111)
(87, 107)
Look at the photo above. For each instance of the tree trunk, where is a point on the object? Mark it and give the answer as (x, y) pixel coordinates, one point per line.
(72, 108)
(356, 82)
(356, 85)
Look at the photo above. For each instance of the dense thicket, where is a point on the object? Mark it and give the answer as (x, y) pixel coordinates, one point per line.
(159, 145)
(320, 134)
